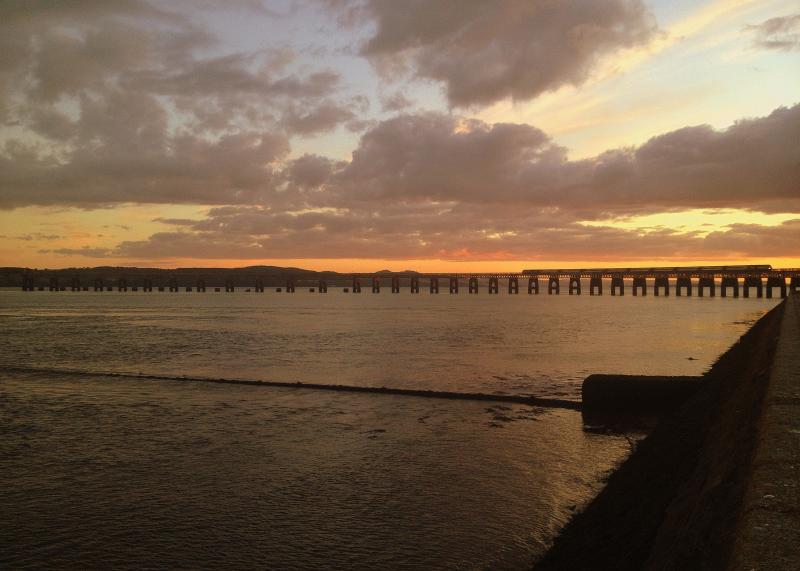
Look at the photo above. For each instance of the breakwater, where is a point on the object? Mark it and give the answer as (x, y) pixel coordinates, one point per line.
(677, 502)
(420, 393)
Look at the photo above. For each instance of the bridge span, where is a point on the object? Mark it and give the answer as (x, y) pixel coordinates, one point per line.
(684, 280)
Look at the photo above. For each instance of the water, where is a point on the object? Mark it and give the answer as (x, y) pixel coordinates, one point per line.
(128, 472)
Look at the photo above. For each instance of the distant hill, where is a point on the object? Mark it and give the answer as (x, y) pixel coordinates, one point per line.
(214, 277)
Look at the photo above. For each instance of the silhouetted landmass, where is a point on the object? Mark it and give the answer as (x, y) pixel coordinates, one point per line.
(272, 276)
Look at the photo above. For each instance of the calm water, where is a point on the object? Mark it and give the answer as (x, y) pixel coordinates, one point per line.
(132, 473)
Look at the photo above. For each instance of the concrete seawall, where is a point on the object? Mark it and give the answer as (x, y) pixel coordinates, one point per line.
(768, 537)
(714, 480)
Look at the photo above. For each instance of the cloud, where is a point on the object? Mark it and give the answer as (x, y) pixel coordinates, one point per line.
(128, 89)
(318, 120)
(429, 160)
(396, 101)
(435, 186)
(483, 52)
(440, 159)
(319, 237)
(134, 101)
(781, 33)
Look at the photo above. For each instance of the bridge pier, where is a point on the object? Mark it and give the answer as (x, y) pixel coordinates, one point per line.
(661, 282)
(75, 284)
(414, 284)
(729, 282)
(513, 286)
(28, 283)
(617, 283)
(376, 284)
(122, 284)
(433, 286)
(683, 283)
(173, 285)
(289, 285)
(395, 284)
(706, 282)
(229, 286)
(473, 285)
(147, 285)
(98, 284)
(553, 286)
(596, 284)
(259, 285)
(574, 285)
(639, 282)
(533, 285)
(356, 285)
(322, 286)
(494, 285)
(53, 283)
(453, 284)
(756, 282)
(778, 282)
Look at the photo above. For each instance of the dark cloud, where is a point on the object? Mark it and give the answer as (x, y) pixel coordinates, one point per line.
(121, 102)
(397, 101)
(486, 51)
(425, 159)
(317, 120)
(149, 169)
(310, 171)
(754, 164)
(434, 186)
(781, 33)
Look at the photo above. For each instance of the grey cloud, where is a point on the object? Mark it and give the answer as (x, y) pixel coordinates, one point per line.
(781, 33)
(95, 79)
(397, 101)
(175, 221)
(319, 119)
(757, 240)
(182, 169)
(410, 160)
(754, 164)
(486, 51)
(310, 171)
(85, 251)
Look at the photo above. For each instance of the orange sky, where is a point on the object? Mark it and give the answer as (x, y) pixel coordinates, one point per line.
(668, 137)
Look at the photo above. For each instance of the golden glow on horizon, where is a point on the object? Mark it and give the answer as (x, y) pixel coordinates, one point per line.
(701, 221)
(701, 69)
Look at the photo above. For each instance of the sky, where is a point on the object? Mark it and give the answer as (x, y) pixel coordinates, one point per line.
(359, 135)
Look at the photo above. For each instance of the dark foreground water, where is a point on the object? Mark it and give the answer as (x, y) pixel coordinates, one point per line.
(98, 471)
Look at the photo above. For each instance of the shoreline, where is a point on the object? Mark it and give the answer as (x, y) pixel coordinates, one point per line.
(677, 501)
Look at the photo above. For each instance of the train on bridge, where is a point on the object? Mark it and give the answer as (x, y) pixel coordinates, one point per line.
(762, 279)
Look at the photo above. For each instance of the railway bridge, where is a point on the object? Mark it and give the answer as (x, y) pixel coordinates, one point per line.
(747, 280)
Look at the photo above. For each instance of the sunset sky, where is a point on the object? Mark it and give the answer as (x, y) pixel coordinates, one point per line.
(369, 134)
